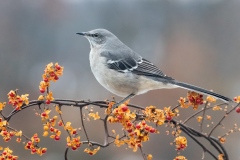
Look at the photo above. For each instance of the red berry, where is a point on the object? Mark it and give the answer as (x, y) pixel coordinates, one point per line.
(74, 132)
(51, 129)
(238, 109)
(124, 108)
(12, 94)
(143, 123)
(44, 114)
(74, 148)
(119, 117)
(52, 74)
(182, 146)
(78, 145)
(14, 158)
(42, 90)
(198, 101)
(152, 130)
(147, 128)
(45, 80)
(11, 134)
(169, 118)
(57, 137)
(5, 133)
(15, 103)
(44, 151)
(48, 101)
(20, 100)
(138, 126)
(60, 123)
(191, 99)
(129, 131)
(34, 150)
(56, 78)
(129, 124)
(58, 67)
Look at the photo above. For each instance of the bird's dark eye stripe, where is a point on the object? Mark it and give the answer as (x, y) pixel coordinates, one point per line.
(95, 35)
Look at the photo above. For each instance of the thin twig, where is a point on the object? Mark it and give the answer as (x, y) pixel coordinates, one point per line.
(227, 113)
(203, 116)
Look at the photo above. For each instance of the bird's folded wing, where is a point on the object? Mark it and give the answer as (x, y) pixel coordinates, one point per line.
(133, 63)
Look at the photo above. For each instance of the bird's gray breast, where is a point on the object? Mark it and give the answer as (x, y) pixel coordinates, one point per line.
(121, 84)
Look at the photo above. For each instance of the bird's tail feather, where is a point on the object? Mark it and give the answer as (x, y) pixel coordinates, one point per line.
(201, 90)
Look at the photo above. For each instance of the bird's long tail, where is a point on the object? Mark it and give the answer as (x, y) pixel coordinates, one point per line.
(201, 90)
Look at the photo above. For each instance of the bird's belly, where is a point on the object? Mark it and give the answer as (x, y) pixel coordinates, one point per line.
(121, 84)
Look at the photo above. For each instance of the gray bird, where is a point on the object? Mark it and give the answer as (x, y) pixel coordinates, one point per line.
(124, 72)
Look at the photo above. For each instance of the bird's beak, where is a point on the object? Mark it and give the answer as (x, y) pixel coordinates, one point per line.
(82, 33)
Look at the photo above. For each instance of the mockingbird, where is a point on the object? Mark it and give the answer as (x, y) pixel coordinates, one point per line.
(124, 72)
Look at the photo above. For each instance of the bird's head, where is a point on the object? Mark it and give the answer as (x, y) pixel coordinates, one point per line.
(98, 37)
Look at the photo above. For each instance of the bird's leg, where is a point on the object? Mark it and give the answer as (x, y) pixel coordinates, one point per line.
(123, 100)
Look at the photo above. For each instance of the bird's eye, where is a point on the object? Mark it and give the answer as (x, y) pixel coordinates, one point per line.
(96, 35)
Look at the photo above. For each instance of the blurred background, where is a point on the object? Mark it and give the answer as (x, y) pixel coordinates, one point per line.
(194, 41)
